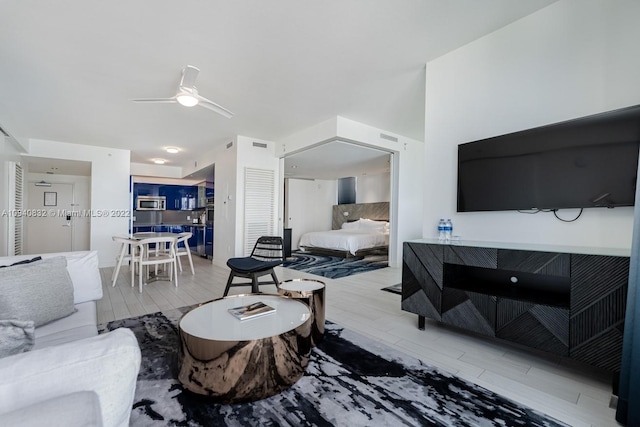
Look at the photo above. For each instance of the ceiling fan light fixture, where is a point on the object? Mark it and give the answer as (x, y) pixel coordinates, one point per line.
(187, 100)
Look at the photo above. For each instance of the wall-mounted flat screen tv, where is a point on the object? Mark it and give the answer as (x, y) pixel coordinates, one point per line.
(582, 163)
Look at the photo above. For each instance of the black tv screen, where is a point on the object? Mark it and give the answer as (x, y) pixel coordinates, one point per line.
(581, 163)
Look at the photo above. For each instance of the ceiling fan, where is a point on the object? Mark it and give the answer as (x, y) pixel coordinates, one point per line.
(187, 94)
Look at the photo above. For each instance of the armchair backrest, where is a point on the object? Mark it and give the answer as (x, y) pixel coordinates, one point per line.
(268, 248)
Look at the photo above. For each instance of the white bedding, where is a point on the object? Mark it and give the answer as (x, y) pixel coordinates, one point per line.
(345, 239)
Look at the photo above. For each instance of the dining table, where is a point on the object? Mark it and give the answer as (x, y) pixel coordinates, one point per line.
(156, 275)
(133, 240)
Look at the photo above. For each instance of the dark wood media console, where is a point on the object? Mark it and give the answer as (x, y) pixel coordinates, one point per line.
(564, 300)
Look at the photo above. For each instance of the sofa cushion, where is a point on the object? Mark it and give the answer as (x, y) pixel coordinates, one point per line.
(107, 364)
(83, 269)
(79, 409)
(41, 291)
(81, 324)
(16, 336)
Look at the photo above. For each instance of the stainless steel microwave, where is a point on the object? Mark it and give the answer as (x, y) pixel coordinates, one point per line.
(151, 203)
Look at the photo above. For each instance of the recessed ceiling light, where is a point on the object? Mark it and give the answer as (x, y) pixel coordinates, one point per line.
(172, 150)
(159, 161)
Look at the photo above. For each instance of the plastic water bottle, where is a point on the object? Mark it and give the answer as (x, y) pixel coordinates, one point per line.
(441, 227)
(448, 230)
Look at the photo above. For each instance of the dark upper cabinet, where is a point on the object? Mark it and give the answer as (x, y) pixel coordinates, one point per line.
(179, 197)
(141, 189)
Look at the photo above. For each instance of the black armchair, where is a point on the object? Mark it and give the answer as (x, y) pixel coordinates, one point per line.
(267, 253)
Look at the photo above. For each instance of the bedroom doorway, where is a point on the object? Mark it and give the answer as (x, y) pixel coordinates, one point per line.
(311, 179)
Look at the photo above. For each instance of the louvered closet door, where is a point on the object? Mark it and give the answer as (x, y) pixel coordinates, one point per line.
(16, 186)
(259, 205)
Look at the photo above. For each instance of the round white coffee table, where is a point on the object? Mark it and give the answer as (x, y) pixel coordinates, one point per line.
(234, 360)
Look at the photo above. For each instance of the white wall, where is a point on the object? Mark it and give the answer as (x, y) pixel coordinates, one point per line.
(143, 169)
(249, 156)
(406, 171)
(373, 188)
(109, 189)
(224, 221)
(81, 200)
(309, 206)
(568, 60)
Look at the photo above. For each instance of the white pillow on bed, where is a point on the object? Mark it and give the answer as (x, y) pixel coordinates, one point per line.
(354, 225)
(369, 224)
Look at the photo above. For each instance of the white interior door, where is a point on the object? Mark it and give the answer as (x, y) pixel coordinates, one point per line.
(47, 228)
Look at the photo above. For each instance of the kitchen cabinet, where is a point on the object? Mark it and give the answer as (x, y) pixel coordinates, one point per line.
(208, 241)
(202, 196)
(179, 197)
(141, 189)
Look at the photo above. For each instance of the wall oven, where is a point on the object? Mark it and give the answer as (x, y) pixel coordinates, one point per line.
(151, 203)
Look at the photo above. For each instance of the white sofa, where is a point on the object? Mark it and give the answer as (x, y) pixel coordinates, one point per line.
(70, 363)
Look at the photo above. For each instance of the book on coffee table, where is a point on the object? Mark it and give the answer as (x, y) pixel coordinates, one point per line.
(252, 310)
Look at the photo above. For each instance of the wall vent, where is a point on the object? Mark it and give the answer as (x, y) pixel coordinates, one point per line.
(229, 145)
(388, 137)
(260, 144)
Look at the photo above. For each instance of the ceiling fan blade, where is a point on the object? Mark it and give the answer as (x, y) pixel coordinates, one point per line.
(210, 105)
(189, 74)
(158, 100)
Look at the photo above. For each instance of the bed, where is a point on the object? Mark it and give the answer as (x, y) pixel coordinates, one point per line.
(354, 238)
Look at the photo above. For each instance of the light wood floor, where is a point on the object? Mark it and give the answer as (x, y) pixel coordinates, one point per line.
(559, 387)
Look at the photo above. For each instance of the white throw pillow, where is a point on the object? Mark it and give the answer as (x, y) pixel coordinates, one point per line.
(354, 225)
(373, 226)
(85, 275)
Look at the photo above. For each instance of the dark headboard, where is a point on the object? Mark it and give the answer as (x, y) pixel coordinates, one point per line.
(377, 211)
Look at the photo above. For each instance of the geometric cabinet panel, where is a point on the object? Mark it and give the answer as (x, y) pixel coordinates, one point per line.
(565, 303)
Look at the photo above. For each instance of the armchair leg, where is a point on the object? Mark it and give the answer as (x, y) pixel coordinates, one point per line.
(226, 290)
(254, 284)
(275, 278)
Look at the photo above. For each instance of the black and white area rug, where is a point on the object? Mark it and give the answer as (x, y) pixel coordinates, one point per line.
(350, 381)
(334, 267)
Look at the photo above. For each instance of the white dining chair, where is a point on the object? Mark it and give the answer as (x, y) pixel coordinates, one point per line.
(184, 250)
(127, 247)
(147, 256)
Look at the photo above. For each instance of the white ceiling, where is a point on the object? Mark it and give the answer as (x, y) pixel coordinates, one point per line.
(70, 67)
(336, 159)
(58, 167)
